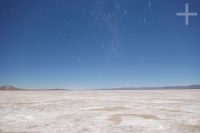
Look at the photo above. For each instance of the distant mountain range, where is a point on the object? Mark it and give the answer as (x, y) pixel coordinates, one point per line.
(155, 88)
(12, 88)
(8, 87)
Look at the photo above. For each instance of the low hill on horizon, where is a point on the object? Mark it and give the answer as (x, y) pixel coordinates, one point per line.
(8, 87)
(155, 88)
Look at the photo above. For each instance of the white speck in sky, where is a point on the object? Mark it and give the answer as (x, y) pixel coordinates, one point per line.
(149, 3)
(117, 6)
(125, 11)
(109, 15)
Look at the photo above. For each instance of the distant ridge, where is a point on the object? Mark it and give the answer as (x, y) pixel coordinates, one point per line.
(154, 88)
(12, 88)
(8, 88)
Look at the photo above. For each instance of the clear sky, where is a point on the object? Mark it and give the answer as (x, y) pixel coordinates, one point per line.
(79, 44)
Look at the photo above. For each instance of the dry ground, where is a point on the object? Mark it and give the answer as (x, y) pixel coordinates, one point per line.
(136, 111)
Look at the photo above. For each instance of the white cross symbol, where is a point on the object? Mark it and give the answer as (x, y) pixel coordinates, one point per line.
(186, 14)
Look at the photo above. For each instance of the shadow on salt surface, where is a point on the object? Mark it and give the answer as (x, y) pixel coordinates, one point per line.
(112, 108)
(147, 121)
(117, 118)
(137, 122)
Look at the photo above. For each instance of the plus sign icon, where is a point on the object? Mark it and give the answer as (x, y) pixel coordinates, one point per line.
(187, 14)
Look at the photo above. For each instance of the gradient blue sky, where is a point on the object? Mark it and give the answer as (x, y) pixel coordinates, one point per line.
(79, 44)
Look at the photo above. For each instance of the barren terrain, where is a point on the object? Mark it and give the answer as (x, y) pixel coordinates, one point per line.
(111, 111)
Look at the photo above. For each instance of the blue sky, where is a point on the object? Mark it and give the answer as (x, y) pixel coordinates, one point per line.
(98, 43)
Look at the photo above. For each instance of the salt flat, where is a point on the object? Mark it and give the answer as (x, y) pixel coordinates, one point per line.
(131, 111)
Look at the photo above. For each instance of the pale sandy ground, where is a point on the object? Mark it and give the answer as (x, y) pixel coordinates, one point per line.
(138, 111)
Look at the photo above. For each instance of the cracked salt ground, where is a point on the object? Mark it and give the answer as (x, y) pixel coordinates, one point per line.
(141, 111)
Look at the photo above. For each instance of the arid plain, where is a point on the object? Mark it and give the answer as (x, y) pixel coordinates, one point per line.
(100, 111)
